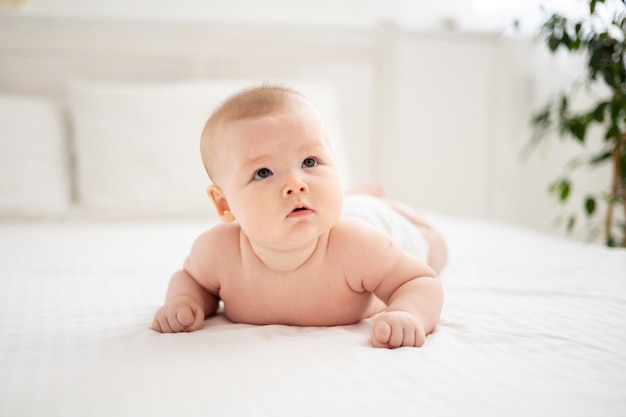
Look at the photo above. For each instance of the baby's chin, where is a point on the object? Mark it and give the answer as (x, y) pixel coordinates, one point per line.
(293, 241)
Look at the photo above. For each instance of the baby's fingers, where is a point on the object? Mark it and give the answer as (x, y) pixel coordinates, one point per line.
(191, 319)
(397, 329)
(178, 317)
(184, 318)
(381, 333)
(161, 325)
(386, 335)
(156, 326)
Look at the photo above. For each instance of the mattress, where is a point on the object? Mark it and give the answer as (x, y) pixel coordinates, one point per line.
(532, 325)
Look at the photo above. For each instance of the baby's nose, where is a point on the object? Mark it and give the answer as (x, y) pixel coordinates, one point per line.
(295, 186)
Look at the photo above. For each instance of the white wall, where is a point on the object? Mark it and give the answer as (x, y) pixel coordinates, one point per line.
(466, 15)
(461, 129)
(438, 147)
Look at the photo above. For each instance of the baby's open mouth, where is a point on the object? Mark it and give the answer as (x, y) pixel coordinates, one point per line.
(299, 210)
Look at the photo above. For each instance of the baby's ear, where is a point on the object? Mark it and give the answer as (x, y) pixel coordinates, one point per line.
(221, 205)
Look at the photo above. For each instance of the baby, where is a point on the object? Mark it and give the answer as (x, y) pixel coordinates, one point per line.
(284, 253)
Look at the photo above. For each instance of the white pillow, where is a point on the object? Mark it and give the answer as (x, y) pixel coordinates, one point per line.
(137, 145)
(34, 170)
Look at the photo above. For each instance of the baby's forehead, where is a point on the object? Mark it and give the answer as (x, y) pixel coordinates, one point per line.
(292, 105)
(293, 114)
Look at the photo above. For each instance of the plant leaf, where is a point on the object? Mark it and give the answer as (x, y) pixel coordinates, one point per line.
(612, 133)
(541, 119)
(565, 191)
(571, 222)
(598, 112)
(564, 104)
(590, 206)
(600, 158)
(561, 188)
(553, 42)
(577, 128)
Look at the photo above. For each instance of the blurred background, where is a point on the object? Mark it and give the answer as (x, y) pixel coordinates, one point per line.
(434, 96)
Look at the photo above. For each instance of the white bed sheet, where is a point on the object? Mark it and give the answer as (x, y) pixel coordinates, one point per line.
(532, 325)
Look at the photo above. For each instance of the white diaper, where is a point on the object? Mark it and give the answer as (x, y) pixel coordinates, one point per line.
(379, 214)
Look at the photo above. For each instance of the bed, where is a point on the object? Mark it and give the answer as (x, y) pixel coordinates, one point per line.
(95, 219)
(532, 325)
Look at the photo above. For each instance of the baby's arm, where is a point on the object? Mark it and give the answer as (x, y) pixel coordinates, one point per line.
(409, 287)
(186, 305)
(192, 294)
(413, 312)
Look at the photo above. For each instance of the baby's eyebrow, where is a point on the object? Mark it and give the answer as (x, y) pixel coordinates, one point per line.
(307, 149)
(255, 160)
(313, 148)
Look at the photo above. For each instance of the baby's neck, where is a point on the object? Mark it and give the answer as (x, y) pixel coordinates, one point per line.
(283, 260)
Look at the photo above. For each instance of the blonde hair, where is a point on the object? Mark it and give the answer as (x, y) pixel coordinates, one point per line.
(249, 103)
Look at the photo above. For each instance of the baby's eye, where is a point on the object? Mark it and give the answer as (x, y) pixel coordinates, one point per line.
(262, 173)
(309, 163)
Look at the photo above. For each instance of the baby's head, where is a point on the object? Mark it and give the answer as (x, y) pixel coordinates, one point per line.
(270, 162)
(247, 104)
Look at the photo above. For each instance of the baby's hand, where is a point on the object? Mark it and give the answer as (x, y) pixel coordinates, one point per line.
(397, 328)
(181, 314)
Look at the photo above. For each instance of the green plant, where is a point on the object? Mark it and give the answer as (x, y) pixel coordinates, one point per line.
(601, 37)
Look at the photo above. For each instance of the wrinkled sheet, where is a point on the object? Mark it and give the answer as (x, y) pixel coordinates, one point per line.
(532, 325)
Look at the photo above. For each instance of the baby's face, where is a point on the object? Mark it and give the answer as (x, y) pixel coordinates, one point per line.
(279, 176)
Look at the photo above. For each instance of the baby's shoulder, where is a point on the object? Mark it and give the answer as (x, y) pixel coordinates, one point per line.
(353, 228)
(366, 252)
(218, 239)
(214, 249)
(212, 253)
(356, 235)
